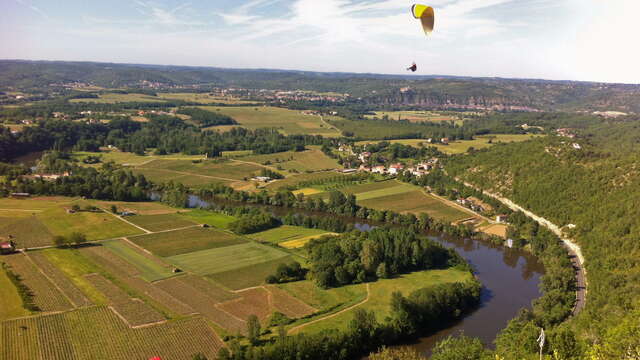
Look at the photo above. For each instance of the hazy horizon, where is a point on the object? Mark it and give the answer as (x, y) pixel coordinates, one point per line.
(575, 40)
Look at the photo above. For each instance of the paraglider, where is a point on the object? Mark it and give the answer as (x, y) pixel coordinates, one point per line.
(427, 19)
(426, 16)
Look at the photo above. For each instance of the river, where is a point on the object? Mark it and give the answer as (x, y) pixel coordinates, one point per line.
(510, 279)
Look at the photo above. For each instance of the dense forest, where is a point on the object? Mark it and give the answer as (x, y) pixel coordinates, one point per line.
(596, 190)
(381, 253)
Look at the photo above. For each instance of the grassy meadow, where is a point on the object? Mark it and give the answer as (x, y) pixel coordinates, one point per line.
(289, 237)
(210, 218)
(380, 295)
(112, 98)
(186, 241)
(415, 116)
(288, 121)
(160, 222)
(403, 198)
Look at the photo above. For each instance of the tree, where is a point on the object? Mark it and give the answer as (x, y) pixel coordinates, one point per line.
(75, 207)
(114, 209)
(403, 353)
(462, 347)
(199, 356)
(60, 241)
(382, 272)
(77, 238)
(253, 329)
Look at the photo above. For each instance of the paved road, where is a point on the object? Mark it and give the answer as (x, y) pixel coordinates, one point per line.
(575, 253)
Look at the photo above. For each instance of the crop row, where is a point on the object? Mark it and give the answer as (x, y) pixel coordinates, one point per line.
(134, 311)
(202, 303)
(46, 296)
(97, 333)
(288, 305)
(253, 302)
(60, 279)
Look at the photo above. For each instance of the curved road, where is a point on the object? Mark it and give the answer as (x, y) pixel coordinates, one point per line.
(575, 253)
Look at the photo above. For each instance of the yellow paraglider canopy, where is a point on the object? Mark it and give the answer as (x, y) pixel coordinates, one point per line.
(426, 16)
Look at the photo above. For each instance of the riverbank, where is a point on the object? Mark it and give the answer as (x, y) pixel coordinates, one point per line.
(575, 252)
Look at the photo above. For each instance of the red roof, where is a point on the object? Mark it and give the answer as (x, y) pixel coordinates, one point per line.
(6, 245)
(156, 358)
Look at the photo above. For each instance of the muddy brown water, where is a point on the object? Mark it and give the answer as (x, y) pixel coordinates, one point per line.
(510, 279)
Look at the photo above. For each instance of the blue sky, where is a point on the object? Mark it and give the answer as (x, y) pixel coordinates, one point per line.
(554, 39)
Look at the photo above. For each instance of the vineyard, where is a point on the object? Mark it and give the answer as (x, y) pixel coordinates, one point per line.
(98, 333)
(134, 311)
(287, 304)
(252, 302)
(77, 298)
(46, 296)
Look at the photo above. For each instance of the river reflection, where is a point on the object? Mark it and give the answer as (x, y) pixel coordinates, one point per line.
(510, 279)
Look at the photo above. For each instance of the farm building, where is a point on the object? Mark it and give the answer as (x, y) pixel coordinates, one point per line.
(20, 195)
(501, 219)
(7, 247)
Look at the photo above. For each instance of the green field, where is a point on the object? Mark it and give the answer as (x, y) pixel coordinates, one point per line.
(76, 266)
(95, 225)
(203, 98)
(10, 301)
(131, 159)
(325, 299)
(186, 241)
(210, 218)
(481, 142)
(149, 270)
(288, 121)
(293, 181)
(250, 275)
(380, 295)
(415, 116)
(160, 222)
(217, 260)
(287, 233)
(225, 170)
(308, 160)
(98, 333)
(403, 198)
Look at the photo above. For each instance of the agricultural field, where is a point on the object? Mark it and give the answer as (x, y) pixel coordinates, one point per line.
(379, 296)
(210, 218)
(98, 333)
(131, 159)
(139, 208)
(112, 98)
(221, 259)
(134, 311)
(403, 198)
(324, 300)
(482, 141)
(289, 236)
(415, 116)
(250, 275)
(203, 98)
(160, 222)
(95, 225)
(288, 121)
(294, 181)
(59, 279)
(308, 160)
(186, 241)
(10, 301)
(45, 294)
(149, 268)
(211, 170)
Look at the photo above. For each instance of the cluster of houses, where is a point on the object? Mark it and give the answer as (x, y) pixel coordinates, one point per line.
(48, 177)
(566, 132)
(418, 170)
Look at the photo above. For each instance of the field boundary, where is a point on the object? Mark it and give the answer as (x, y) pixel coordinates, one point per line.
(126, 221)
(24, 253)
(334, 314)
